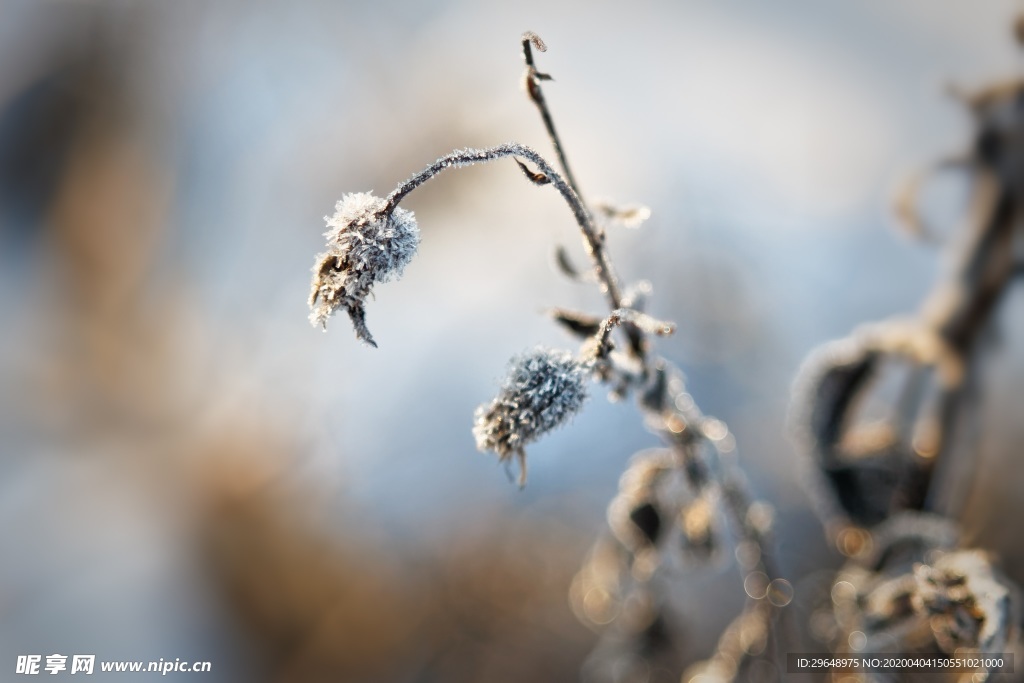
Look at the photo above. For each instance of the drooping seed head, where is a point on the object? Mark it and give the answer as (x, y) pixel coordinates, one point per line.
(365, 245)
(544, 388)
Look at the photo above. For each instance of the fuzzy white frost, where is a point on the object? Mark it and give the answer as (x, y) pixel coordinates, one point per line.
(543, 390)
(364, 246)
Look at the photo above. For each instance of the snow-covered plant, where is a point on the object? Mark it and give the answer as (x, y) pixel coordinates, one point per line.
(543, 390)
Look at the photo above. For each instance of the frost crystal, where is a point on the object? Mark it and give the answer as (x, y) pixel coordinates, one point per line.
(365, 245)
(543, 389)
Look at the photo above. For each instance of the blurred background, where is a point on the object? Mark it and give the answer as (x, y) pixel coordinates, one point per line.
(189, 470)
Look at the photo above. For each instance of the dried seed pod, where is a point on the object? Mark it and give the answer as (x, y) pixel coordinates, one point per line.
(365, 245)
(543, 390)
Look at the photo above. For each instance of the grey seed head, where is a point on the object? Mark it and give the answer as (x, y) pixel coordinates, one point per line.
(543, 390)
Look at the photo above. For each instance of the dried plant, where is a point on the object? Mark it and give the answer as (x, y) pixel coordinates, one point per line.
(890, 488)
(543, 390)
(884, 485)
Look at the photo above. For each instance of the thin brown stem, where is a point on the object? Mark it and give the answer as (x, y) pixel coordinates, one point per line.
(532, 81)
(591, 235)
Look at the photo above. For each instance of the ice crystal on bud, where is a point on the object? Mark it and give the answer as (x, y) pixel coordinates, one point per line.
(544, 388)
(365, 245)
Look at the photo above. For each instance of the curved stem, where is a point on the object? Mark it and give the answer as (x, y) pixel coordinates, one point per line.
(591, 235)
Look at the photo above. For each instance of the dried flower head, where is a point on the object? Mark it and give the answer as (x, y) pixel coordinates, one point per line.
(366, 244)
(544, 388)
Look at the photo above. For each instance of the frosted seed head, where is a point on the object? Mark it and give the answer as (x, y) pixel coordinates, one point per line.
(543, 390)
(365, 245)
